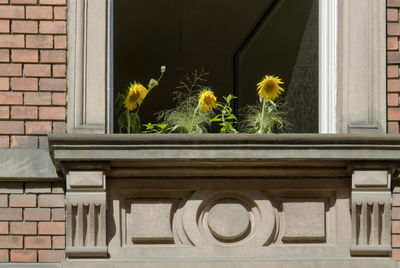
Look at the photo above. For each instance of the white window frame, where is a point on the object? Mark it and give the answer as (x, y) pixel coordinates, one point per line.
(351, 48)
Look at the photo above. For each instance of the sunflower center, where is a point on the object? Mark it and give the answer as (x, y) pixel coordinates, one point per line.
(134, 97)
(208, 100)
(269, 86)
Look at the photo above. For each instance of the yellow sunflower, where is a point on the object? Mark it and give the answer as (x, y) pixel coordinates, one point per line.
(269, 87)
(135, 96)
(207, 100)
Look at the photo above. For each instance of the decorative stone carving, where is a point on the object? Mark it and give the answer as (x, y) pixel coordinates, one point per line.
(86, 214)
(370, 213)
(149, 221)
(304, 220)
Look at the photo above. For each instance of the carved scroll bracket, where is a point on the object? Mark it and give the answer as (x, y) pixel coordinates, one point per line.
(370, 213)
(86, 214)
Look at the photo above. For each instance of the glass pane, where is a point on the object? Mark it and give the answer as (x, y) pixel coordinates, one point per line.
(237, 42)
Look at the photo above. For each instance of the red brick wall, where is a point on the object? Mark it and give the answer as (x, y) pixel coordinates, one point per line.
(33, 46)
(32, 222)
(393, 58)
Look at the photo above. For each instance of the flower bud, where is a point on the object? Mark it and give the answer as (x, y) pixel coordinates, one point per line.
(153, 83)
(163, 69)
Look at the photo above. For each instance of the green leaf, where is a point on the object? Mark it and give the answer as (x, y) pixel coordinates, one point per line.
(122, 122)
(135, 122)
(119, 101)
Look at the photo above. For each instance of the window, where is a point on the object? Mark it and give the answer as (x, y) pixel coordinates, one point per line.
(236, 41)
(352, 66)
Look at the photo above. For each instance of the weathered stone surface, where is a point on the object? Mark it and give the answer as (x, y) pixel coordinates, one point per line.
(150, 220)
(228, 220)
(85, 179)
(368, 178)
(304, 220)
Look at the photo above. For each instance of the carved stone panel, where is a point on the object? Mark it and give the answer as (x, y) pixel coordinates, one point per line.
(304, 220)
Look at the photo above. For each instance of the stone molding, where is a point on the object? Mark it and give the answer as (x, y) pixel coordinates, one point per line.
(362, 66)
(86, 214)
(88, 66)
(371, 213)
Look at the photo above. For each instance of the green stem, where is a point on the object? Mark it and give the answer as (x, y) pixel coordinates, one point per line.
(194, 115)
(262, 117)
(129, 121)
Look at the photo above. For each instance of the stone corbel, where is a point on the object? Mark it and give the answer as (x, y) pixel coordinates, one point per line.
(86, 214)
(370, 213)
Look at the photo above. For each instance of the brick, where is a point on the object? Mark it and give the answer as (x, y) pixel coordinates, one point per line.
(393, 3)
(392, 71)
(4, 55)
(25, 142)
(53, 2)
(22, 200)
(23, 228)
(396, 254)
(53, 56)
(11, 241)
(4, 255)
(396, 200)
(392, 43)
(4, 83)
(58, 188)
(392, 99)
(12, 12)
(51, 255)
(396, 240)
(58, 214)
(392, 15)
(37, 70)
(393, 57)
(4, 26)
(393, 85)
(4, 141)
(9, 69)
(52, 228)
(24, 55)
(4, 112)
(60, 42)
(396, 213)
(3, 227)
(59, 99)
(59, 242)
(38, 128)
(24, 112)
(3, 1)
(13, 98)
(24, 2)
(39, 13)
(37, 98)
(393, 29)
(3, 200)
(37, 214)
(59, 70)
(11, 187)
(53, 27)
(39, 41)
(10, 214)
(60, 13)
(52, 113)
(11, 127)
(53, 84)
(19, 255)
(24, 84)
(59, 128)
(12, 41)
(51, 200)
(43, 142)
(394, 114)
(38, 187)
(37, 242)
(396, 227)
(22, 26)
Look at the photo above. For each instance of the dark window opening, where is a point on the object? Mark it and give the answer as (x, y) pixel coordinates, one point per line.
(237, 42)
